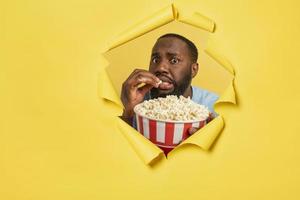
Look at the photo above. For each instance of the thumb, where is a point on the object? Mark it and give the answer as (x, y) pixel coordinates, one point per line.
(143, 90)
(192, 130)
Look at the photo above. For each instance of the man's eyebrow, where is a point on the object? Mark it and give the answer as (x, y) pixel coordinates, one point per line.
(171, 54)
(154, 54)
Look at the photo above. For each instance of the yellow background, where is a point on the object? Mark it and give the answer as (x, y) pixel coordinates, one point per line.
(59, 141)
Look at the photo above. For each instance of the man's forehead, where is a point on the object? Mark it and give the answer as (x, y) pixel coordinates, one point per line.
(170, 45)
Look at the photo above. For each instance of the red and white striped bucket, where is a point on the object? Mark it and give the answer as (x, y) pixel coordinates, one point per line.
(165, 134)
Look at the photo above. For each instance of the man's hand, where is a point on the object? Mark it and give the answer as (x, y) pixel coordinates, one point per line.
(133, 93)
(192, 130)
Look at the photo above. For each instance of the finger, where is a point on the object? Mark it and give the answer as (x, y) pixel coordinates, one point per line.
(136, 80)
(134, 72)
(148, 74)
(130, 77)
(143, 90)
(192, 130)
(208, 120)
(210, 117)
(142, 72)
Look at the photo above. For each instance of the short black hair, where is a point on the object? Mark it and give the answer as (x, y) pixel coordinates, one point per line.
(191, 46)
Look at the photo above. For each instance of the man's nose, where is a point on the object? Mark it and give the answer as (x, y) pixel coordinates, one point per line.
(163, 66)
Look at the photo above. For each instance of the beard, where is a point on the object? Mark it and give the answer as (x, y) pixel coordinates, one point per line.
(179, 87)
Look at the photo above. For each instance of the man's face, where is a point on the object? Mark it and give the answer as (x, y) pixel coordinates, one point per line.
(171, 63)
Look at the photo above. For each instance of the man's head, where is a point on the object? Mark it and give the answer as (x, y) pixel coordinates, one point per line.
(174, 61)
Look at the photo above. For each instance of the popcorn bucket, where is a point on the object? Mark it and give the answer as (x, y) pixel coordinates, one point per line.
(165, 134)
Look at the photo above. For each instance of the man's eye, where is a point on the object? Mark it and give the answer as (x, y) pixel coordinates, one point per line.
(174, 60)
(155, 60)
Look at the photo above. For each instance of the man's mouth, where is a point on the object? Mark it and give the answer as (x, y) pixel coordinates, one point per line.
(166, 84)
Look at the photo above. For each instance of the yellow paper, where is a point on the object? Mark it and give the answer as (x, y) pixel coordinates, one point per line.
(59, 141)
(146, 150)
(156, 20)
(206, 136)
(106, 89)
(194, 18)
(229, 94)
(220, 59)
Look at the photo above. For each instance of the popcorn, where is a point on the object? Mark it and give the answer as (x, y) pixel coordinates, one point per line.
(172, 108)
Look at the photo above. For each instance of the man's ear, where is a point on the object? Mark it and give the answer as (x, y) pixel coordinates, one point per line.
(195, 67)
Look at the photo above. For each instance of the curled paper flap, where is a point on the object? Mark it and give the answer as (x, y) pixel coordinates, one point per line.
(229, 94)
(196, 19)
(220, 59)
(106, 89)
(154, 21)
(145, 149)
(175, 12)
(206, 136)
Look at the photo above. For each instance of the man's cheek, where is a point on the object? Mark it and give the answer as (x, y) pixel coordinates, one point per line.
(152, 68)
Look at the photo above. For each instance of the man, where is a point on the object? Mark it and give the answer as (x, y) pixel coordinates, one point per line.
(173, 64)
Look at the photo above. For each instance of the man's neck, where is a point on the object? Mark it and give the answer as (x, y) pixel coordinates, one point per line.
(188, 92)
